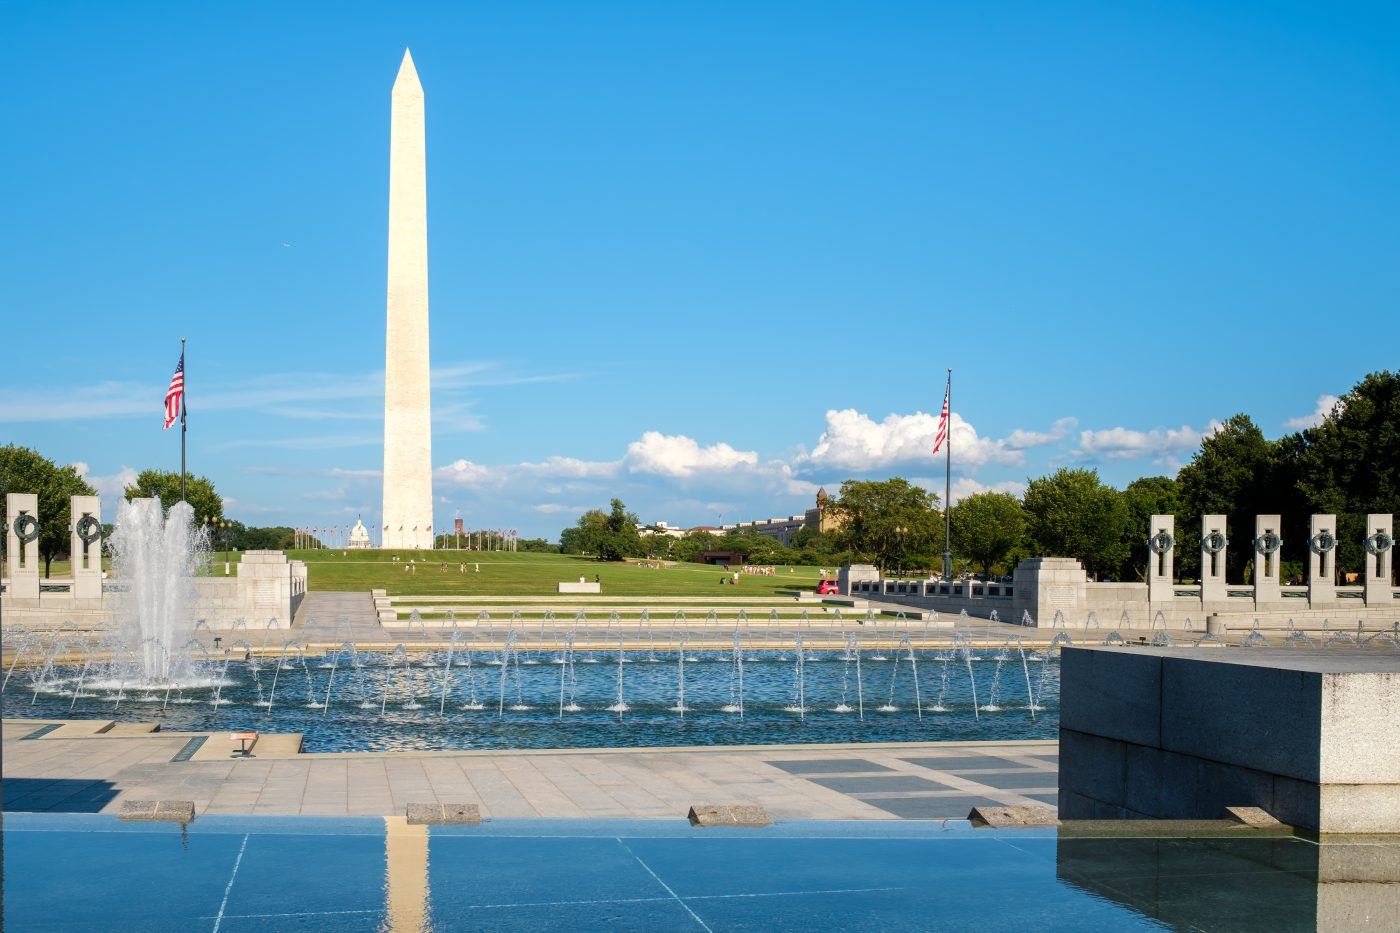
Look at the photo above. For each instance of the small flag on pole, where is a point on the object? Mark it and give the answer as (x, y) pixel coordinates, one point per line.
(174, 396)
(942, 436)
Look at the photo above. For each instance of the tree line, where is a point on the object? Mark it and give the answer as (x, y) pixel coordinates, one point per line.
(1347, 465)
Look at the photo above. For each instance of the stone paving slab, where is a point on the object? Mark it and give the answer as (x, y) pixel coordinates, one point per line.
(95, 772)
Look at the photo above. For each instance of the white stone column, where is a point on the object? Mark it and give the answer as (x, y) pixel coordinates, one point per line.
(85, 520)
(1380, 547)
(1267, 545)
(23, 559)
(1213, 563)
(1161, 558)
(1322, 560)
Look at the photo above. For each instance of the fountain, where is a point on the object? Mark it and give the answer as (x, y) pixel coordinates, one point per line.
(156, 555)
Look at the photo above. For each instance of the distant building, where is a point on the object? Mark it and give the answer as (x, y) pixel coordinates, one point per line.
(359, 536)
(661, 528)
(820, 518)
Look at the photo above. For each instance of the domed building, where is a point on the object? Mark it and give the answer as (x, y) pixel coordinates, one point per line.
(359, 536)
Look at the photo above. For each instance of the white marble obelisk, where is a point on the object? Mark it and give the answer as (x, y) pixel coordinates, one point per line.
(408, 470)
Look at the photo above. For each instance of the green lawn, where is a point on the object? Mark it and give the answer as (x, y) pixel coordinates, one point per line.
(505, 574)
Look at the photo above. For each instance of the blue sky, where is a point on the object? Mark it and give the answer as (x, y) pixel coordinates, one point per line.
(705, 256)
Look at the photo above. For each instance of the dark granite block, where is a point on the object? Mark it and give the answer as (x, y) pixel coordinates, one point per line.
(865, 785)
(827, 765)
(930, 808)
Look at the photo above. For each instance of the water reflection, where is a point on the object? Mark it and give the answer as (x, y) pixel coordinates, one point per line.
(405, 877)
(1267, 884)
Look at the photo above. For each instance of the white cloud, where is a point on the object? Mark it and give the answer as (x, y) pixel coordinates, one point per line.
(1020, 439)
(679, 456)
(111, 488)
(854, 441)
(464, 472)
(1165, 445)
(276, 394)
(1325, 404)
(966, 486)
(555, 508)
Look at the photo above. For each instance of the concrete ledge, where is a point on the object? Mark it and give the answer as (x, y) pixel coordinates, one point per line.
(1012, 817)
(448, 814)
(728, 815)
(1167, 829)
(133, 728)
(1250, 816)
(173, 811)
(581, 587)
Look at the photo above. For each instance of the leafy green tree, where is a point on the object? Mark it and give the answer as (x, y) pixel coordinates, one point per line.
(1144, 498)
(165, 486)
(622, 539)
(587, 534)
(689, 548)
(1073, 514)
(25, 470)
(890, 522)
(988, 527)
(1236, 473)
(1349, 465)
(610, 535)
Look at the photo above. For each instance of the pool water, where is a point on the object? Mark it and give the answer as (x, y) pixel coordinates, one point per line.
(383, 702)
(80, 872)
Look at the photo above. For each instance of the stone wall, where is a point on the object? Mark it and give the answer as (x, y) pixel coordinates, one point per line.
(268, 586)
(1169, 733)
(1055, 591)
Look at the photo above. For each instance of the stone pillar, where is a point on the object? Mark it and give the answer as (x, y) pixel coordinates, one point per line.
(1322, 560)
(1267, 550)
(1161, 558)
(1380, 545)
(85, 546)
(23, 557)
(1213, 549)
(1043, 586)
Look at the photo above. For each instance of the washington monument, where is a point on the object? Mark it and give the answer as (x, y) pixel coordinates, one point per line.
(408, 436)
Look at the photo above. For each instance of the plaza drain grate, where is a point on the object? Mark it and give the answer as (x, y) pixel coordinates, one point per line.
(42, 731)
(190, 747)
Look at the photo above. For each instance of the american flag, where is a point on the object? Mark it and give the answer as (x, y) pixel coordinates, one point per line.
(942, 435)
(175, 395)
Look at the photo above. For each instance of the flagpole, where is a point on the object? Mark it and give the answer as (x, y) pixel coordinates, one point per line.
(184, 388)
(948, 488)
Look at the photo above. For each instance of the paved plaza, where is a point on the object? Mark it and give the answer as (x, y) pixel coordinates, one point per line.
(75, 768)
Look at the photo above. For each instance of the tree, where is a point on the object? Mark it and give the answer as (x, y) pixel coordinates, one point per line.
(25, 470)
(1073, 514)
(1144, 498)
(165, 486)
(1349, 465)
(610, 535)
(1236, 474)
(988, 527)
(891, 522)
(586, 537)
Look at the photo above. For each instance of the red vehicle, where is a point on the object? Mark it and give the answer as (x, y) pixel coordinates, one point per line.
(828, 587)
